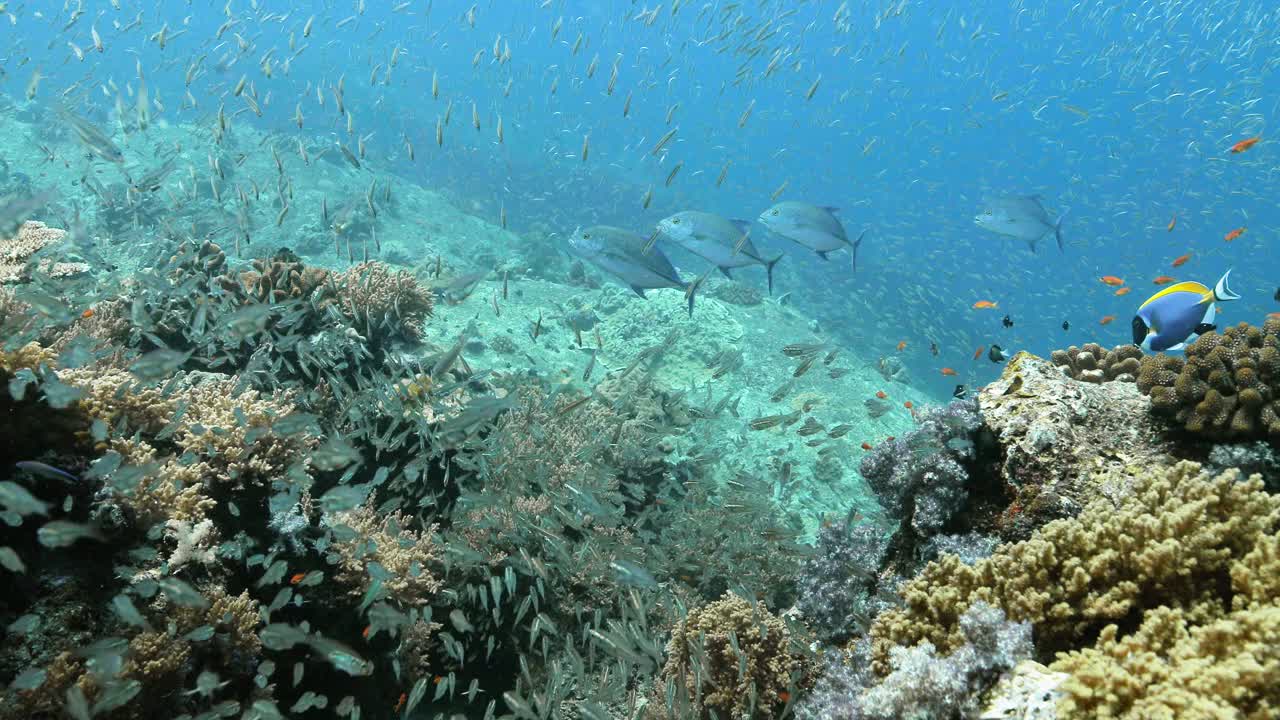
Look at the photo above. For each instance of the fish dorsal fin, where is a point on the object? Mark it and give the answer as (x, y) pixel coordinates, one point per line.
(831, 209)
(1188, 286)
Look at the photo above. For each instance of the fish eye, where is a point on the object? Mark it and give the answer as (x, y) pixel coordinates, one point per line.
(586, 236)
(775, 212)
(675, 221)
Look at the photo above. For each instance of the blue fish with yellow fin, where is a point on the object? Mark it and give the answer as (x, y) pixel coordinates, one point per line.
(1174, 317)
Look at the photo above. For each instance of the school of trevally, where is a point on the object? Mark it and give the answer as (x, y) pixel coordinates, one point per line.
(639, 360)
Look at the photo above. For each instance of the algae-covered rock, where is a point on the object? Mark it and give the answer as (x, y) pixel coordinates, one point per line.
(1054, 432)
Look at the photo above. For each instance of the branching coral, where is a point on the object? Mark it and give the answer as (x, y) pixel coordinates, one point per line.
(374, 296)
(32, 237)
(1170, 541)
(406, 557)
(732, 658)
(1228, 387)
(1093, 363)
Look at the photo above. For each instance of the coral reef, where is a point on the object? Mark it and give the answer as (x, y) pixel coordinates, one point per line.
(733, 658)
(1165, 537)
(18, 252)
(1093, 363)
(1226, 389)
(1053, 433)
(922, 477)
(836, 586)
(922, 683)
(405, 557)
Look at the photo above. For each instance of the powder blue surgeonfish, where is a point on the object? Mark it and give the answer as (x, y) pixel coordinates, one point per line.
(1174, 317)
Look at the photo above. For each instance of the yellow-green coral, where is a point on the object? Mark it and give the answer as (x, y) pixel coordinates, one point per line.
(1168, 540)
(1177, 669)
(733, 658)
(1228, 387)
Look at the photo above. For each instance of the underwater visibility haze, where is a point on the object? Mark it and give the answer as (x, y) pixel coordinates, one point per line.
(639, 360)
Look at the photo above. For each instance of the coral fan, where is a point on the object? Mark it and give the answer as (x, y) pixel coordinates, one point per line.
(732, 658)
(17, 252)
(1092, 363)
(1162, 538)
(1227, 388)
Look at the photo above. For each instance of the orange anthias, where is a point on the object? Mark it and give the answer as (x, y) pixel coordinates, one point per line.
(948, 372)
(1124, 291)
(1106, 319)
(1163, 280)
(1245, 144)
(1234, 234)
(1112, 280)
(901, 344)
(984, 305)
(1181, 260)
(977, 353)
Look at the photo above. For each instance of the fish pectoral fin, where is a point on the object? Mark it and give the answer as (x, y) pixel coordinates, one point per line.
(725, 271)
(638, 290)
(823, 254)
(1205, 327)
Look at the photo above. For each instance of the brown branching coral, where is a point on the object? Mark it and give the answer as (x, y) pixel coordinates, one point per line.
(1227, 388)
(731, 658)
(16, 253)
(1162, 538)
(372, 295)
(282, 277)
(1093, 363)
(406, 556)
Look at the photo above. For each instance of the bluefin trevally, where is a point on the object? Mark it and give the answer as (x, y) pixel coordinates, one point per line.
(621, 253)
(717, 239)
(1174, 317)
(1021, 217)
(813, 226)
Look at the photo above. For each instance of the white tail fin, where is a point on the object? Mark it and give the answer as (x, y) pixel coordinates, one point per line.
(1222, 291)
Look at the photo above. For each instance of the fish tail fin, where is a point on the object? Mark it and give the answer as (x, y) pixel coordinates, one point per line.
(768, 270)
(1222, 291)
(853, 252)
(1032, 243)
(691, 290)
(1057, 229)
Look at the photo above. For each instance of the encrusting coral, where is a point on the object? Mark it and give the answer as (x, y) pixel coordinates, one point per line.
(732, 658)
(1160, 538)
(1228, 388)
(1093, 363)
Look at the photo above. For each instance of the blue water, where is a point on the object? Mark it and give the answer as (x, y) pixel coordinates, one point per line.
(917, 116)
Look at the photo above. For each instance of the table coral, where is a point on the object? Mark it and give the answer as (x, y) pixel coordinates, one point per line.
(1228, 387)
(16, 253)
(1170, 539)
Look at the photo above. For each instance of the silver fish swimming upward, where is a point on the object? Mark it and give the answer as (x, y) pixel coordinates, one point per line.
(812, 226)
(621, 253)
(719, 240)
(1021, 217)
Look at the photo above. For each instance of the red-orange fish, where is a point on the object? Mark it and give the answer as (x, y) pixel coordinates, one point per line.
(297, 578)
(901, 344)
(87, 314)
(1163, 280)
(1181, 260)
(1245, 144)
(1124, 291)
(984, 305)
(1112, 280)
(907, 405)
(1106, 319)
(1234, 234)
(949, 372)
(866, 446)
(977, 353)
(881, 394)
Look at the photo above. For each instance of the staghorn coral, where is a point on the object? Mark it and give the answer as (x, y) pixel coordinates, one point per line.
(1169, 540)
(732, 658)
(32, 237)
(1093, 363)
(1228, 388)
(406, 556)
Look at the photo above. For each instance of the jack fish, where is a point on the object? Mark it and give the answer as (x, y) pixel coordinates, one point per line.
(721, 241)
(621, 253)
(1021, 217)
